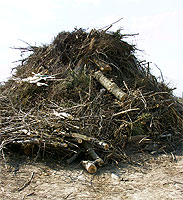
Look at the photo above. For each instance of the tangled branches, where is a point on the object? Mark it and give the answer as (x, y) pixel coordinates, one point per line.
(87, 93)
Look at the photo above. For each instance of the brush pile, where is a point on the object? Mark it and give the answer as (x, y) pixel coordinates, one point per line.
(87, 93)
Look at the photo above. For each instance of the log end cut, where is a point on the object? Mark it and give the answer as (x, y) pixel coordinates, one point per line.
(89, 166)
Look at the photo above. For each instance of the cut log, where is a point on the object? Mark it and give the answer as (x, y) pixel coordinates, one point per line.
(89, 166)
(57, 144)
(101, 144)
(93, 154)
(110, 86)
(37, 141)
(74, 157)
(79, 138)
(27, 141)
(95, 141)
(82, 137)
(102, 65)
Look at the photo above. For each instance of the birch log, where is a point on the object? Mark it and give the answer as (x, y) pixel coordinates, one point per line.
(89, 166)
(110, 86)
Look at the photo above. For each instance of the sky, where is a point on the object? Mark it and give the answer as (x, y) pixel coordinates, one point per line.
(159, 24)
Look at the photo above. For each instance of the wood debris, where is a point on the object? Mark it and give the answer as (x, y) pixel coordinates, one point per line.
(86, 94)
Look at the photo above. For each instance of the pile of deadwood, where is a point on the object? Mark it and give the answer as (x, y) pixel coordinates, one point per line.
(86, 95)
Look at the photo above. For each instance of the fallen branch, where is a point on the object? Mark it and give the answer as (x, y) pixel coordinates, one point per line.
(27, 183)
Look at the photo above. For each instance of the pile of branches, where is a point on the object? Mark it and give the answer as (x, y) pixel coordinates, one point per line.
(87, 93)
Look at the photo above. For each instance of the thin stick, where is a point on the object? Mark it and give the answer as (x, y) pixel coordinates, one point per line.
(4, 158)
(110, 25)
(125, 111)
(27, 183)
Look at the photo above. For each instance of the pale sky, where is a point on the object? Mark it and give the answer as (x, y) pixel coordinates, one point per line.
(158, 22)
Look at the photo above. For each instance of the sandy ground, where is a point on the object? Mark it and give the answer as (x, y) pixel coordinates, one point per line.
(149, 177)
